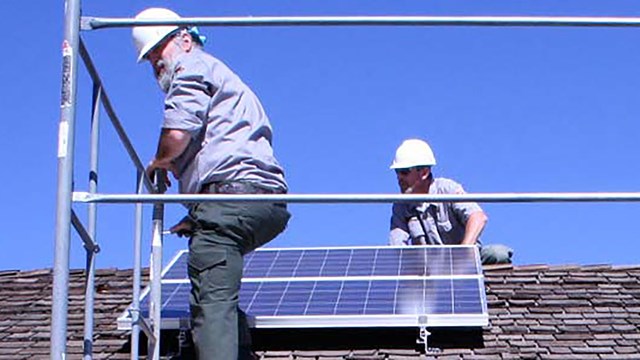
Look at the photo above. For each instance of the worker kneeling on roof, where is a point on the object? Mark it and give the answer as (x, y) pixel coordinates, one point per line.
(216, 139)
(440, 223)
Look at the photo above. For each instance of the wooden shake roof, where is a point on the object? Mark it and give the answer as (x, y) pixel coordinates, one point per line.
(536, 312)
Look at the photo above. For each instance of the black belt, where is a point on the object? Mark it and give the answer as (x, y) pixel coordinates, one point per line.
(238, 187)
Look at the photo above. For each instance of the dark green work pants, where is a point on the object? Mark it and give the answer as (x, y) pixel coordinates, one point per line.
(225, 232)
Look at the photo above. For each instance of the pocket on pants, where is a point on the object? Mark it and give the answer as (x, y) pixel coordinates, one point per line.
(201, 265)
(215, 276)
(202, 259)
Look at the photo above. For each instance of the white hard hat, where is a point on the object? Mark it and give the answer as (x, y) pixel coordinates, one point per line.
(146, 38)
(412, 153)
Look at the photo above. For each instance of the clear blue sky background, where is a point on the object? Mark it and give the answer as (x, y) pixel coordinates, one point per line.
(505, 109)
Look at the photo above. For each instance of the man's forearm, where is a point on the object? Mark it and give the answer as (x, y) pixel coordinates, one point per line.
(474, 227)
(171, 144)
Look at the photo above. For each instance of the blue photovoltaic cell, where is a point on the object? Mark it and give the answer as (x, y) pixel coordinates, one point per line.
(178, 269)
(175, 301)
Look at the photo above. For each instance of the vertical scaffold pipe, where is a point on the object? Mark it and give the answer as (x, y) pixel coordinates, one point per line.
(156, 267)
(137, 260)
(89, 290)
(65, 172)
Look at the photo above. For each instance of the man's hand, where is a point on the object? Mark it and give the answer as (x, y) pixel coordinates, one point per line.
(185, 227)
(156, 165)
(171, 145)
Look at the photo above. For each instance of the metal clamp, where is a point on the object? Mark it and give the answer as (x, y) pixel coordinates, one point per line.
(423, 339)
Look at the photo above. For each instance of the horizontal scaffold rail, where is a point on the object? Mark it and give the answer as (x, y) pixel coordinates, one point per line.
(94, 23)
(86, 197)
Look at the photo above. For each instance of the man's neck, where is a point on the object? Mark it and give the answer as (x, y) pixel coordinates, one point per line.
(426, 187)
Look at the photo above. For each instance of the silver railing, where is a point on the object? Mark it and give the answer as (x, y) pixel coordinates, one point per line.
(86, 197)
(93, 23)
(65, 215)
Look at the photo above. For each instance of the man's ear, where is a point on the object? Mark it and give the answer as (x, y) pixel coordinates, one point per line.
(186, 42)
(424, 173)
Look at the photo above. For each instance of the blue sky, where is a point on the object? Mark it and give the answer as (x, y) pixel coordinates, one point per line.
(505, 109)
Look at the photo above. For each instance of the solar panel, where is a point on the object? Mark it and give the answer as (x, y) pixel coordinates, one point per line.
(346, 287)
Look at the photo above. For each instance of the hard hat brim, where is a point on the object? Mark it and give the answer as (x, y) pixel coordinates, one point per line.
(150, 46)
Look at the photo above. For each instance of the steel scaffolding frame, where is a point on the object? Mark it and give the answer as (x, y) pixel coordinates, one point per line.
(65, 215)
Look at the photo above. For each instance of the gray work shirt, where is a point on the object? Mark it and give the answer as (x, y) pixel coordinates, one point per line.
(230, 133)
(432, 223)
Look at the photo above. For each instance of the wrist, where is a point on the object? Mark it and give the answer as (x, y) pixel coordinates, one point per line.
(164, 163)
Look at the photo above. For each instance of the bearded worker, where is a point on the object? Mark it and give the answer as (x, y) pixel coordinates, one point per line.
(215, 139)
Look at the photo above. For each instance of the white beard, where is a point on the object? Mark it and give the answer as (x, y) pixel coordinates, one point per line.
(164, 79)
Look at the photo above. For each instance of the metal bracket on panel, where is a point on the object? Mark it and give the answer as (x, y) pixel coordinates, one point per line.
(183, 341)
(423, 339)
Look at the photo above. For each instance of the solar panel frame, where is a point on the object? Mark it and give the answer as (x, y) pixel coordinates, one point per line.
(173, 318)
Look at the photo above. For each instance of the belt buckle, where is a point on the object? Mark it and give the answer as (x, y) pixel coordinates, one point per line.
(233, 188)
(224, 188)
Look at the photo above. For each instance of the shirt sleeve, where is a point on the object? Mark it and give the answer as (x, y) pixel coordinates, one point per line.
(187, 101)
(399, 234)
(462, 209)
